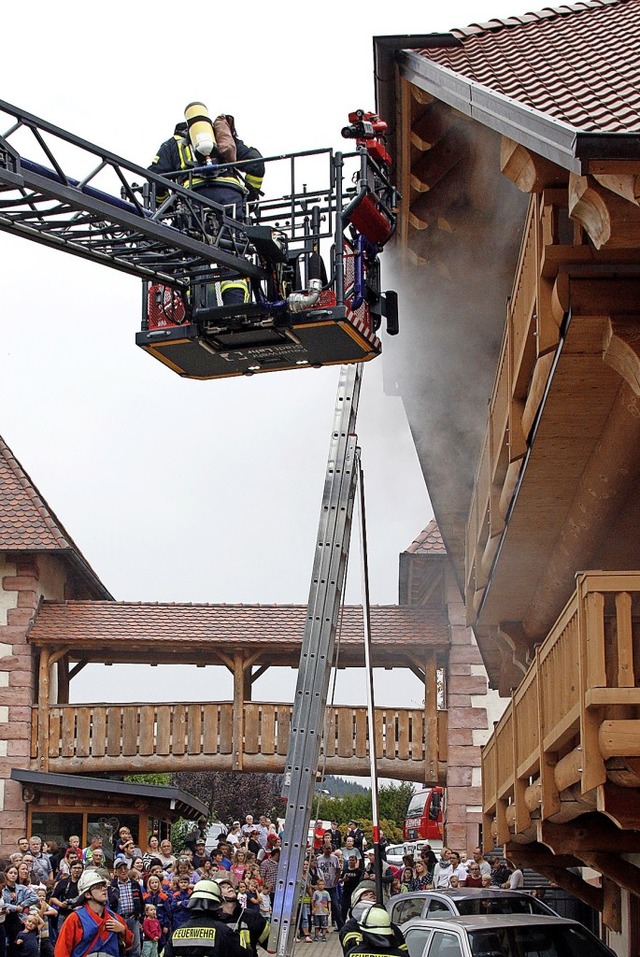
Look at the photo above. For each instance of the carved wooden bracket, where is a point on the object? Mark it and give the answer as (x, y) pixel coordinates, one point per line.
(621, 348)
(609, 219)
(530, 173)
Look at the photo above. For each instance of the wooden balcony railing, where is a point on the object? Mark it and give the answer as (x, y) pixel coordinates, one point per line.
(160, 737)
(530, 338)
(576, 715)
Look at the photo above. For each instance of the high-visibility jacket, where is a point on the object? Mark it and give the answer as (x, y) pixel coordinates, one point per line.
(177, 153)
(203, 935)
(84, 934)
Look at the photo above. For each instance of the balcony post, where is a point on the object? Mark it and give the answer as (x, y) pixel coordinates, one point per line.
(431, 720)
(43, 710)
(238, 710)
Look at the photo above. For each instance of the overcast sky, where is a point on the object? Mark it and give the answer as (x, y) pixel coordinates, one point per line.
(177, 490)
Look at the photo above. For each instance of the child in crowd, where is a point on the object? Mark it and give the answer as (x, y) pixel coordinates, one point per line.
(45, 911)
(242, 894)
(151, 931)
(253, 895)
(28, 938)
(265, 901)
(321, 909)
(179, 901)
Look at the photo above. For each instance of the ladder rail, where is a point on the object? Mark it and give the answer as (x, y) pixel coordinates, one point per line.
(325, 594)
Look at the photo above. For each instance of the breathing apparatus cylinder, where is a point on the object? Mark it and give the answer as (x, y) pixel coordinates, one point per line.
(201, 135)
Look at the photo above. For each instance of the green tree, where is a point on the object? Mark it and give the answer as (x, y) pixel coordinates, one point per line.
(161, 779)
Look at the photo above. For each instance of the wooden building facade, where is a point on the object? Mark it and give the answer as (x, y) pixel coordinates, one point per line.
(517, 145)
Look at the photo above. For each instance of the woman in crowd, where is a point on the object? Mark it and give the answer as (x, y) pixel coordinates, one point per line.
(422, 879)
(17, 900)
(25, 876)
(239, 864)
(405, 880)
(152, 850)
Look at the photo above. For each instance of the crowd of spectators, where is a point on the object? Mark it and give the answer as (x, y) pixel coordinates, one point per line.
(150, 886)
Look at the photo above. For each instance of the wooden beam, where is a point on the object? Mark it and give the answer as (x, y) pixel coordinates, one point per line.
(536, 855)
(530, 173)
(609, 219)
(587, 893)
(621, 350)
(43, 710)
(612, 905)
(624, 183)
(614, 867)
(238, 710)
(434, 165)
(614, 802)
(77, 668)
(431, 125)
(431, 720)
(593, 833)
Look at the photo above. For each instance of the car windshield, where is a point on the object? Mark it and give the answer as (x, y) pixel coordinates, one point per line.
(498, 905)
(417, 803)
(538, 941)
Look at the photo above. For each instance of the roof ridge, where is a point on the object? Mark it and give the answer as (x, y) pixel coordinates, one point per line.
(546, 13)
(28, 501)
(114, 605)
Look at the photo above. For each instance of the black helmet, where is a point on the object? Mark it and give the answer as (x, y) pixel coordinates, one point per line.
(206, 896)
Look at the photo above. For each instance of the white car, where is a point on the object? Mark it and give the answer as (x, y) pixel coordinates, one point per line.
(502, 935)
(214, 833)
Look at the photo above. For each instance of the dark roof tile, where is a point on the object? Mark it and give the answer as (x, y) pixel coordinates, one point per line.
(576, 63)
(75, 623)
(428, 542)
(26, 521)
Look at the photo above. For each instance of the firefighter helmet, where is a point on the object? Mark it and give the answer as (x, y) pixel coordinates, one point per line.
(206, 896)
(89, 879)
(375, 921)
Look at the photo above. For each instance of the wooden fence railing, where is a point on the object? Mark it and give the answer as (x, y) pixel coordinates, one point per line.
(577, 708)
(156, 737)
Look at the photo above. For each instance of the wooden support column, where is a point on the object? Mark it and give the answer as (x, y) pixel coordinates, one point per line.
(247, 684)
(43, 710)
(63, 680)
(238, 710)
(431, 720)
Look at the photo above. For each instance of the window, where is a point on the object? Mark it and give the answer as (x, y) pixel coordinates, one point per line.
(56, 826)
(417, 938)
(406, 909)
(444, 945)
(438, 909)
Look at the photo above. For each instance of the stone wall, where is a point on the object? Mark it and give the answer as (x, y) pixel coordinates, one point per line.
(23, 580)
(472, 708)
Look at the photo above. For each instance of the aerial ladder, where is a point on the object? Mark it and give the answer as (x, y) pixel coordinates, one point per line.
(311, 255)
(300, 314)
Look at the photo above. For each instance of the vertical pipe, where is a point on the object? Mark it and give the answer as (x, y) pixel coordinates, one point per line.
(366, 618)
(338, 164)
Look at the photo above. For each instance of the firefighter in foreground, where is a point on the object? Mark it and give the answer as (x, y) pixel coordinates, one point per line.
(205, 146)
(351, 934)
(92, 928)
(379, 938)
(252, 927)
(204, 934)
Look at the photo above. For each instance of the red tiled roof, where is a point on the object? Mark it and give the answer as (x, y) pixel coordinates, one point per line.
(577, 63)
(428, 542)
(89, 622)
(26, 521)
